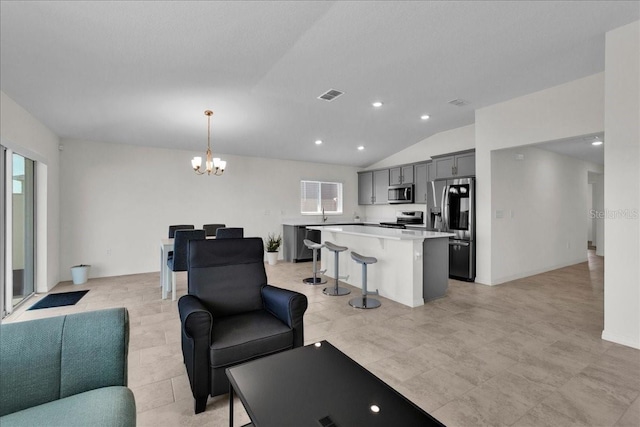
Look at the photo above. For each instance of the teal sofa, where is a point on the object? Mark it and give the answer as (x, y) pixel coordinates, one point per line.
(66, 371)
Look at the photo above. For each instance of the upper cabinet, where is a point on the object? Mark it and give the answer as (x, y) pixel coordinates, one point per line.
(372, 187)
(422, 176)
(455, 165)
(401, 175)
(365, 188)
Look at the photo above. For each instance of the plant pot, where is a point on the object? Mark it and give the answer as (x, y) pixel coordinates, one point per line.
(80, 273)
(272, 257)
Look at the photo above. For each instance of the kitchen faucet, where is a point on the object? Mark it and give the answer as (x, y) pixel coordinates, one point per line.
(324, 218)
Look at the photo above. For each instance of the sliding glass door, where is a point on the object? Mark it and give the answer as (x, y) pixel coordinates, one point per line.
(23, 228)
(18, 229)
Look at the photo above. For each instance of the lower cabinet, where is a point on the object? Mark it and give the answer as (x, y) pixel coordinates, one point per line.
(294, 249)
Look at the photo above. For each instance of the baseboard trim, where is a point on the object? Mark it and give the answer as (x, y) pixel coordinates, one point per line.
(509, 278)
(622, 340)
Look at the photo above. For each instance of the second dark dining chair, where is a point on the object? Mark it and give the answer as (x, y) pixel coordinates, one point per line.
(173, 228)
(179, 260)
(211, 228)
(230, 233)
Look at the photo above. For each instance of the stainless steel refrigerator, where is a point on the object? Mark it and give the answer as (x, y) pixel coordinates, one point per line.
(451, 208)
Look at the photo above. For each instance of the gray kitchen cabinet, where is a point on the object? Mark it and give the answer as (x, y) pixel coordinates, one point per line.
(381, 187)
(365, 188)
(373, 187)
(294, 249)
(401, 175)
(455, 165)
(422, 176)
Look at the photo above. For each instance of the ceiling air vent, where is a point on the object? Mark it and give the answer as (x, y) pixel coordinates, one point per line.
(330, 95)
(458, 102)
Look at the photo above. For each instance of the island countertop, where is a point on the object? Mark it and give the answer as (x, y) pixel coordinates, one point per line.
(383, 233)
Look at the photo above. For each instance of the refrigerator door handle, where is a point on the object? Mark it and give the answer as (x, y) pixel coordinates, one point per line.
(445, 208)
(458, 243)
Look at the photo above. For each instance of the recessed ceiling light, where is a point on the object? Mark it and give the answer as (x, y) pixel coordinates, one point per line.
(377, 104)
(596, 143)
(424, 117)
(361, 147)
(318, 141)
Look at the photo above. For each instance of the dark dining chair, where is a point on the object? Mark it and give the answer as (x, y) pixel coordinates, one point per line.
(172, 232)
(231, 315)
(178, 260)
(211, 228)
(230, 233)
(173, 228)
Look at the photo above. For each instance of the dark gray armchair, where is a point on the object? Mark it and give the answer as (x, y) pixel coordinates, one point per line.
(231, 315)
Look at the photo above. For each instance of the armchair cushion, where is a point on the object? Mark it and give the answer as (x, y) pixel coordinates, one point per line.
(108, 406)
(242, 337)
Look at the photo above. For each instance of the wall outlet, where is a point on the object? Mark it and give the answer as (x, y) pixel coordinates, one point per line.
(267, 212)
(499, 214)
(109, 252)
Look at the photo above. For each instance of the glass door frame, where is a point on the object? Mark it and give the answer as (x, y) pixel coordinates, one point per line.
(39, 255)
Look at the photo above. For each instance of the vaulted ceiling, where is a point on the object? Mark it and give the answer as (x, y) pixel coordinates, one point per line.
(144, 72)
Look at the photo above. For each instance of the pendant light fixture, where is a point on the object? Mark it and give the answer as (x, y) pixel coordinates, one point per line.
(213, 166)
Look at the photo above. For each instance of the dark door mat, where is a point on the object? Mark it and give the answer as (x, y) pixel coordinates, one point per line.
(58, 300)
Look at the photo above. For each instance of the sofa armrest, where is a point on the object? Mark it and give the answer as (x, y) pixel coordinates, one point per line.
(197, 322)
(73, 354)
(289, 307)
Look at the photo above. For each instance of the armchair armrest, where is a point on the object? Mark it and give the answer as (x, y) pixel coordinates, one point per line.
(197, 323)
(289, 307)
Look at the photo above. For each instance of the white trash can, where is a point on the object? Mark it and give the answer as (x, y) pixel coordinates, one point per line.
(80, 274)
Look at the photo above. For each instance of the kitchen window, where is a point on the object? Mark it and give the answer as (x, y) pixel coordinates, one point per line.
(316, 195)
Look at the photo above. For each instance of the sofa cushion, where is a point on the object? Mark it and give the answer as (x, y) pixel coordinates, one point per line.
(108, 406)
(242, 337)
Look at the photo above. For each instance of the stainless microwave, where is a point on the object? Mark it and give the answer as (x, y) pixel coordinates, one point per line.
(401, 194)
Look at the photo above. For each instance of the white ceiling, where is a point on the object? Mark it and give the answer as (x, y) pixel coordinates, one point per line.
(144, 72)
(580, 147)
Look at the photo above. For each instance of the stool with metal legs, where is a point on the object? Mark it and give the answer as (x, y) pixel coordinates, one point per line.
(336, 290)
(315, 247)
(364, 301)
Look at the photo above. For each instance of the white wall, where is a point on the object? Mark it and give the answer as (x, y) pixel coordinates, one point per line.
(21, 132)
(118, 200)
(622, 186)
(572, 109)
(458, 139)
(545, 202)
(598, 206)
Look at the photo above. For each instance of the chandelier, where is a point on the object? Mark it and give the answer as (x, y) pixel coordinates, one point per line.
(213, 166)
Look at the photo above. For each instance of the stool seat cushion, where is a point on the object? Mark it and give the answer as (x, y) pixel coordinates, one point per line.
(361, 259)
(334, 248)
(313, 245)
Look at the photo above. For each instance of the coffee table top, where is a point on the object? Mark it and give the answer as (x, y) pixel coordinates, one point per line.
(319, 386)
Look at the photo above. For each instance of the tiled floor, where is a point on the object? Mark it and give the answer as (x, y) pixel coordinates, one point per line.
(526, 353)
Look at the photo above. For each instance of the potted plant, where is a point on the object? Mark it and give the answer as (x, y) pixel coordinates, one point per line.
(80, 273)
(272, 245)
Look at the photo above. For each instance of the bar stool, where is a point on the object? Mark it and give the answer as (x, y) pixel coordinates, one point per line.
(314, 247)
(336, 290)
(363, 301)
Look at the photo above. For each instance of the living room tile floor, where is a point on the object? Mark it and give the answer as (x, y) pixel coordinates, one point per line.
(525, 353)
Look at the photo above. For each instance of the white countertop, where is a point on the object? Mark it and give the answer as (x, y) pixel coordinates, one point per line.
(382, 233)
(316, 221)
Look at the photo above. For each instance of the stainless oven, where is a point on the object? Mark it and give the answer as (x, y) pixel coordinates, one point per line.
(401, 194)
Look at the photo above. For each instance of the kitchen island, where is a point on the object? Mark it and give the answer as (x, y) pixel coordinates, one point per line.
(412, 267)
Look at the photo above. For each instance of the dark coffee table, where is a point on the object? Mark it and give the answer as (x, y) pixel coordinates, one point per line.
(319, 386)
